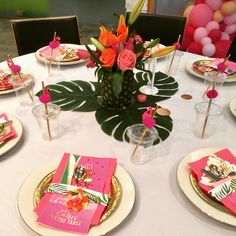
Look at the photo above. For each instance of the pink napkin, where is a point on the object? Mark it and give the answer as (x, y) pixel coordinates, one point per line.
(52, 209)
(216, 175)
(231, 67)
(48, 53)
(11, 133)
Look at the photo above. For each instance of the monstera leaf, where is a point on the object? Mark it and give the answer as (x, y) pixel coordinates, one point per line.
(82, 96)
(167, 85)
(75, 95)
(116, 122)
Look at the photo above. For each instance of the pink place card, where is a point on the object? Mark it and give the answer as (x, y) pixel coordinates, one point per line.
(11, 133)
(48, 53)
(216, 172)
(52, 209)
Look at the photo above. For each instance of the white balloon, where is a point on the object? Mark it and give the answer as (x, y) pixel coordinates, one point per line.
(199, 34)
(212, 25)
(224, 36)
(230, 29)
(206, 40)
(208, 50)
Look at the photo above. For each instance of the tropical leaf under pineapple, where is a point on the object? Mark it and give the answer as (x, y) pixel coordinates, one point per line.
(82, 96)
(116, 122)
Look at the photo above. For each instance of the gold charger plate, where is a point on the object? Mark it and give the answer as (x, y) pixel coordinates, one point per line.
(26, 202)
(204, 61)
(192, 191)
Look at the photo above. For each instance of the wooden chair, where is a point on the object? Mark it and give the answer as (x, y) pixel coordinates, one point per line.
(165, 27)
(33, 33)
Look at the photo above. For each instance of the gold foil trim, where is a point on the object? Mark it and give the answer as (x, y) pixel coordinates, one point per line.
(115, 195)
(211, 201)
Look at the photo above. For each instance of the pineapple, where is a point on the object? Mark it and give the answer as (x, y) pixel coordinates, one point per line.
(125, 97)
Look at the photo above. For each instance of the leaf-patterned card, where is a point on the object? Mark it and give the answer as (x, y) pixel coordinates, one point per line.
(216, 175)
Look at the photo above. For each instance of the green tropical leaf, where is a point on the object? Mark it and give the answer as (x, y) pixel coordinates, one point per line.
(117, 79)
(75, 95)
(116, 122)
(167, 85)
(82, 96)
(93, 54)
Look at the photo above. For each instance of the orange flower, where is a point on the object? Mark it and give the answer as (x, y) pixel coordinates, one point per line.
(122, 30)
(104, 36)
(107, 38)
(108, 57)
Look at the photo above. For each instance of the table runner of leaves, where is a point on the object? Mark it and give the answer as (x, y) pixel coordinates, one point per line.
(83, 96)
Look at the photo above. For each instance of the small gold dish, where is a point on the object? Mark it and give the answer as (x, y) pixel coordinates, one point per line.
(115, 195)
(207, 198)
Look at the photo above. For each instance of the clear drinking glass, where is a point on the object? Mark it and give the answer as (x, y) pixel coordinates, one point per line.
(218, 79)
(48, 121)
(142, 139)
(207, 120)
(172, 62)
(23, 86)
(53, 72)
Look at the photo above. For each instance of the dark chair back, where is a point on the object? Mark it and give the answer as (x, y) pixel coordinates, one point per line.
(33, 33)
(165, 27)
(232, 50)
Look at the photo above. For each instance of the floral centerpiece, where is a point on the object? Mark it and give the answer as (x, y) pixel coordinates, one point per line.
(118, 52)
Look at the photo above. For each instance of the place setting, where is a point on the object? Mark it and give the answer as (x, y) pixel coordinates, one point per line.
(200, 68)
(76, 195)
(59, 53)
(207, 178)
(11, 131)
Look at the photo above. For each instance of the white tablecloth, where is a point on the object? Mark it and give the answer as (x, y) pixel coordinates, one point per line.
(160, 207)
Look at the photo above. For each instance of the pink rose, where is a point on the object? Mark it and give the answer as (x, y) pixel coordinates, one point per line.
(129, 44)
(126, 60)
(138, 38)
(83, 54)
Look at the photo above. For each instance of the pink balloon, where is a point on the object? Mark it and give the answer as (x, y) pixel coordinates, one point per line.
(199, 34)
(208, 50)
(231, 19)
(200, 15)
(214, 4)
(212, 25)
(224, 36)
(206, 40)
(230, 29)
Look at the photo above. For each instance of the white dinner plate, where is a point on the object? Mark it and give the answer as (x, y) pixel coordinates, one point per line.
(11, 143)
(190, 69)
(232, 106)
(30, 79)
(74, 46)
(183, 176)
(25, 203)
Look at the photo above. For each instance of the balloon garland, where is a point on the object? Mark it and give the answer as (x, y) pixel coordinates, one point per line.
(210, 27)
